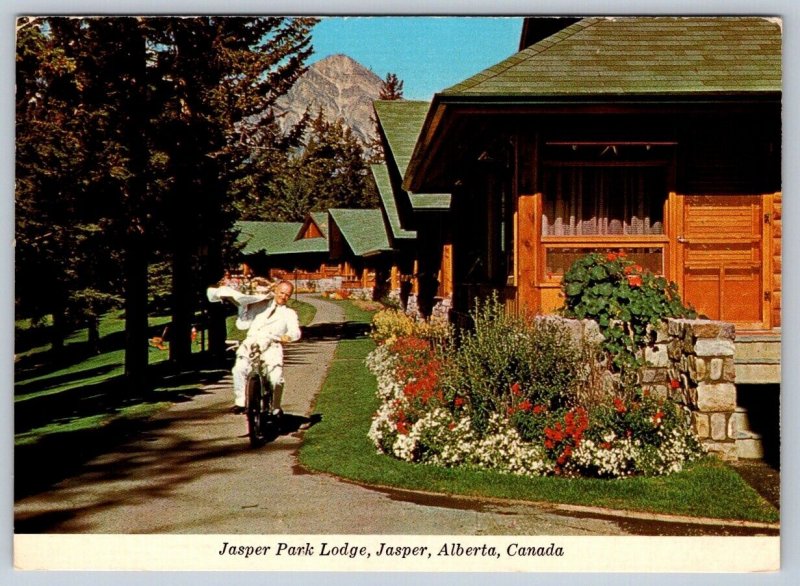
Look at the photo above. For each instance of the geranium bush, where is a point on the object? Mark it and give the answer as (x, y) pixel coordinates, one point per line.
(508, 397)
(625, 300)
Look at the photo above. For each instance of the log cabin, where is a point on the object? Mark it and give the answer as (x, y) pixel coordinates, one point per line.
(657, 136)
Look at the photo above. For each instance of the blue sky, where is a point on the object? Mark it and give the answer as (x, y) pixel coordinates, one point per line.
(428, 53)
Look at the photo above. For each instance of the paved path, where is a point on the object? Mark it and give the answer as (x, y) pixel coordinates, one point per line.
(193, 471)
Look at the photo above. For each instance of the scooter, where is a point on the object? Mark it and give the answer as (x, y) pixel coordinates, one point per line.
(262, 424)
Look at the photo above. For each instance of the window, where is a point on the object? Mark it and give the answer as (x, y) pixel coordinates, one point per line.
(602, 207)
(603, 201)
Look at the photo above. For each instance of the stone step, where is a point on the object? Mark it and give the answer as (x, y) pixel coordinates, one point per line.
(756, 373)
(758, 358)
(749, 445)
(750, 448)
(766, 347)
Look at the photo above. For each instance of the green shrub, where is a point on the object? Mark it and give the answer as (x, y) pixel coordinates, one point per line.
(505, 359)
(624, 300)
(390, 324)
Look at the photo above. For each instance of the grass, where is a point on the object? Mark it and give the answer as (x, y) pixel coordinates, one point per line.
(85, 390)
(339, 445)
(71, 408)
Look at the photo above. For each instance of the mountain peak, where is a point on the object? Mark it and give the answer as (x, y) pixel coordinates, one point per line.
(341, 87)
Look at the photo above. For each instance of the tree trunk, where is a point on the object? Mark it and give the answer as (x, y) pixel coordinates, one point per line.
(59, 329)
(217, 328)
(180, 342)
(93, 334)
(136, 334)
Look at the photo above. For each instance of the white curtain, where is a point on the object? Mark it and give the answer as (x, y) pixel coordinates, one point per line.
(603, 201)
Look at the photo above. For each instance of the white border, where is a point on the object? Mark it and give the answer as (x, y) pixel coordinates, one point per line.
(787, 9)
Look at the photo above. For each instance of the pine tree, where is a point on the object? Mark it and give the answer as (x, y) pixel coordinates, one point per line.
(392, 89)
(131, 132)
(329, 172)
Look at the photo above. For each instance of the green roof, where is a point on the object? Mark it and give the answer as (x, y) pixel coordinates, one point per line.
(401, 122)
(273, 238)
(430, 201)
(640, 56)
(321, 220)
(381, 175)
(363, 230)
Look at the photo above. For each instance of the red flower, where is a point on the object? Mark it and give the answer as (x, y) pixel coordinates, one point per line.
(611, 256)
(539, 409)
(675, 384)
(458, 401)
(525, 405)
(635, 280)
(515, 390)
(659, 415)
(606, 445)
(451, 426)
(619, 405)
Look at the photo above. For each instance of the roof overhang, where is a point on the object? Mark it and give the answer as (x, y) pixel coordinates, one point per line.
(448, 110)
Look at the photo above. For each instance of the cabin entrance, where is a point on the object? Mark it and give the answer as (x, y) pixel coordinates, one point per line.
(721, 250)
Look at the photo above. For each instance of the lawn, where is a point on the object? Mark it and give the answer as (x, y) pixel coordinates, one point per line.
(339, 445)
(84, 391)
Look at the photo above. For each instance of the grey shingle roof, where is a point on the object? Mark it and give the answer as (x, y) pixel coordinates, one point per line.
(363, 230)
(641, 55)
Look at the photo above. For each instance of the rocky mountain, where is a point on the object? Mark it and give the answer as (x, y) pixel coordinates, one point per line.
(341, 87)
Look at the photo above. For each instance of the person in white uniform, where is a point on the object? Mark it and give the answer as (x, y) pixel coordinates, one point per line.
(276, 325)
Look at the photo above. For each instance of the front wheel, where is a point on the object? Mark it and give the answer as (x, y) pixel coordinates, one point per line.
(255, 411)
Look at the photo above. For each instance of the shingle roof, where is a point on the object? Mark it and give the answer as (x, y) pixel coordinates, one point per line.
(401, 122)
(321, 220)
(387, 194)
(363, 230)
(276, 238)
(641, 55)
(430, 201)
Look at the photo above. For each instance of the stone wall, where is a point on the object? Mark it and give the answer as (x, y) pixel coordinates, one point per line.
(440, 310)
(690, 362)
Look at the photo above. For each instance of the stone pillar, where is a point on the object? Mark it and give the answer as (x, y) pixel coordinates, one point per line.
(701, 357)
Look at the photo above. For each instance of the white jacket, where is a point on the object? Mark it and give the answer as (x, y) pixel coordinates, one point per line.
(275, 321)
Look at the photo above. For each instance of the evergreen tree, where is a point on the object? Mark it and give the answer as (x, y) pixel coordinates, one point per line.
(329, 172)
(59, 218)
(392, 89)
(131, 132)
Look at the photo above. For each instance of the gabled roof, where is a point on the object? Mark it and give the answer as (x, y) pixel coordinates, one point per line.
(273, 238)
(363, 230)
(401, 122)
(381, 174)
(641, 55)
(319, 219)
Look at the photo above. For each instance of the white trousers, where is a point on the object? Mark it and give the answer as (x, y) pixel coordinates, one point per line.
(272, 361)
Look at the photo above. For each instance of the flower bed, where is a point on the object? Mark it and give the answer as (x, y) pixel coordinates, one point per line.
(512, 397)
